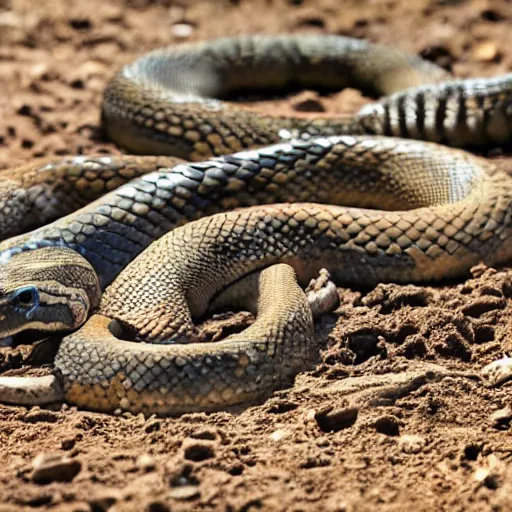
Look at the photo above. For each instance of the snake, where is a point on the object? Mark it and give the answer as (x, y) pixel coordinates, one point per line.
(352, 196)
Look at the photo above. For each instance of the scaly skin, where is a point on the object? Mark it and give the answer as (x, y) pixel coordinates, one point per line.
(148, 110)
(386, 173)
(167, 102)
(40, 192)
(458, 215)
(463, 113)
(98, 371)
(159, 294)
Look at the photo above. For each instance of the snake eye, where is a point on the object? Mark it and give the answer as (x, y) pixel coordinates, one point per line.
(26, 297)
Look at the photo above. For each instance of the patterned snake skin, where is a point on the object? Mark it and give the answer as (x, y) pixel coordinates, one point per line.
(446, 213)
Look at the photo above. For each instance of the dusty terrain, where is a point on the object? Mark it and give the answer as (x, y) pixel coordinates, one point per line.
(395, 416)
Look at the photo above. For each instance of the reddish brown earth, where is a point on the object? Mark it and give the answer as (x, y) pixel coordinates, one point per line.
(416, 429)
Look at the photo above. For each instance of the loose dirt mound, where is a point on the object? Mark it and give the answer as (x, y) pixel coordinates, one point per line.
(395, 416)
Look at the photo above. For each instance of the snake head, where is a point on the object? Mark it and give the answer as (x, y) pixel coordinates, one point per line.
(46, 289)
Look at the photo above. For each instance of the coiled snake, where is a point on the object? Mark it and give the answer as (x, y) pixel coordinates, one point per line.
(413, 211)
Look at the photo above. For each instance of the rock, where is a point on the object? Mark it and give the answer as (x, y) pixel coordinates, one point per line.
(69, 442)
(278, 435)
(9, 19)
(333, 420)
(486, 52)
(322, 294)
(204, 433)
(36, 414)
(490, 473)
(152, 425)
(54, 467)
(182, 30)
(501, 418)
(198, 451)
(410, 443)
(105, 499)
(387, 425)
(185, 492)
(145, 462)
(498, 372)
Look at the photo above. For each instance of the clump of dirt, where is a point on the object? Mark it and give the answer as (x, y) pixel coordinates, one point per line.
(395, 416)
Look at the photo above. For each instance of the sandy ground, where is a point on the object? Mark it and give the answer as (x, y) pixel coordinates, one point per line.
(395, 416)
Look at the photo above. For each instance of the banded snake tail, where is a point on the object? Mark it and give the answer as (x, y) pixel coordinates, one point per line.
(446, 213)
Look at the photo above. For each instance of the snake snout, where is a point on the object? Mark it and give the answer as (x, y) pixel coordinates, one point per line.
(46, 290)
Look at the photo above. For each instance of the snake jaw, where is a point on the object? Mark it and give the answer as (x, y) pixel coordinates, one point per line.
(7, 342)
(67, 311)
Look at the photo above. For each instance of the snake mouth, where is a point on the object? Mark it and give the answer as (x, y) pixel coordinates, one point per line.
(7, 342)
(28, 337)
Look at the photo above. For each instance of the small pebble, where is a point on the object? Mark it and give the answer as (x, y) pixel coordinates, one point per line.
(205, 433)
(490, 473)
(185, 492)
(410, 443)
(68, 443)
(486, 52)
(145, 462)
(278, 435)
(333, 420)
(152, 425)
(501, 418)
(54, 467)
(9, 19)
(181, 30)
(498, 372)
(387, 425)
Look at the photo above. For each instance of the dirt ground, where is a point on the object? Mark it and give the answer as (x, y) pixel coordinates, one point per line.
(395, 417)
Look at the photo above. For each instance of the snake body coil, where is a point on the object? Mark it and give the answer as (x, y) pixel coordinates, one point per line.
(445, 213)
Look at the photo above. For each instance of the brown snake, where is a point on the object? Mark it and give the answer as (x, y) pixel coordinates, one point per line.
(446, 214)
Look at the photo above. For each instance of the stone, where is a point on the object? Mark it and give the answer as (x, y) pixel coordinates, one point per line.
(333, 420)
(410, 443)
(36, 415)
(145, 462)
(185, 493)
(501, 418)
(182, 30)
(54, 467)
(387, 425)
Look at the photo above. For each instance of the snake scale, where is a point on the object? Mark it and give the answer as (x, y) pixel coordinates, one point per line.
(412, 211)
